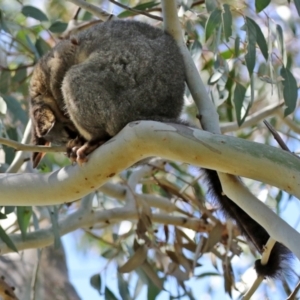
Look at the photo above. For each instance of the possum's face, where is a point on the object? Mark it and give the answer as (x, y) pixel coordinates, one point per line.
(47, 130)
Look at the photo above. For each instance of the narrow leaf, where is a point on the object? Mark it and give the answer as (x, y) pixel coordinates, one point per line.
(260, 39)
(297, 4)
(210, 5)
(135, 260)
(23, 215)
(41, 46)
(227, 22)
(281, 45)
(109, 295)
(212, 23)
(123, 288)
(290, 90)
(251, 51)
(261, 5)
(238, 98)
(15, 108)
(237, 46)
(9, 209)
(2, 23)
(6, 239)
(33, 12)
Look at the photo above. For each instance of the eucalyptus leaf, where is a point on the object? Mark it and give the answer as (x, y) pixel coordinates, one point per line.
(33, 12)
(260, 39)
(261, 5)
(251, 51)
(58, 27)
(238, 98)
(227, 22)
(6, 239)
(290, 90)
(96, 282)
(23, 216)
(213, 23)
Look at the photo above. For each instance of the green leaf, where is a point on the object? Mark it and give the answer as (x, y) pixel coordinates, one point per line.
(20, 74)
(238, 99)
(6, 239)
(152, 291)
(2, 216)
(41, 46)
(96, 282)
(261, 5)
(281, 44)
(251, 51)
(227, 22)
(5, 77)
(297, 4)
(109, 295)
(213, 23)
(123, 287)
(9, 209)
(206, 274)
(33, 12)
(15, 108)
(210, 5)
(237, 46)
(11, 133)
(32, 47)
(2, 23)
(23, 215)
(58, 27)
(260, 39)
(290, 90)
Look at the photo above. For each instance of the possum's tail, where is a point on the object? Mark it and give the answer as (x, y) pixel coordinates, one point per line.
(254, 232)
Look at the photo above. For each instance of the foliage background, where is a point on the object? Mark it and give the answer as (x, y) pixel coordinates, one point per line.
(250, 62)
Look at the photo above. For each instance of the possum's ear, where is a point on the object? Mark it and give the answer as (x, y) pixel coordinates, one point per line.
(44, 120)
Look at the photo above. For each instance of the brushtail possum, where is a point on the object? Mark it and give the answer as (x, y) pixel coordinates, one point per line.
(88, 87)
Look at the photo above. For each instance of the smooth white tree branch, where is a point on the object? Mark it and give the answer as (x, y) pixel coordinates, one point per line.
(207, 111)
(142, 139)
(84, 218)
(253, 119)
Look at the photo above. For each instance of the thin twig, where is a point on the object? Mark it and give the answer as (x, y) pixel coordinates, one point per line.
(19, 146)
(276, 136)
(136, 11)
(93, 9)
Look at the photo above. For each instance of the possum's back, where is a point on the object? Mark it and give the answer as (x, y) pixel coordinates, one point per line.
(126, 71)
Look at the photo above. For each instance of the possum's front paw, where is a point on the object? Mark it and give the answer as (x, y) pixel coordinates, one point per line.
(78, 149)
(73, 146)
(85, 150)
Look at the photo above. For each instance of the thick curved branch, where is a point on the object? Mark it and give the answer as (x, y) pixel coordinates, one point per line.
(143, 139)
